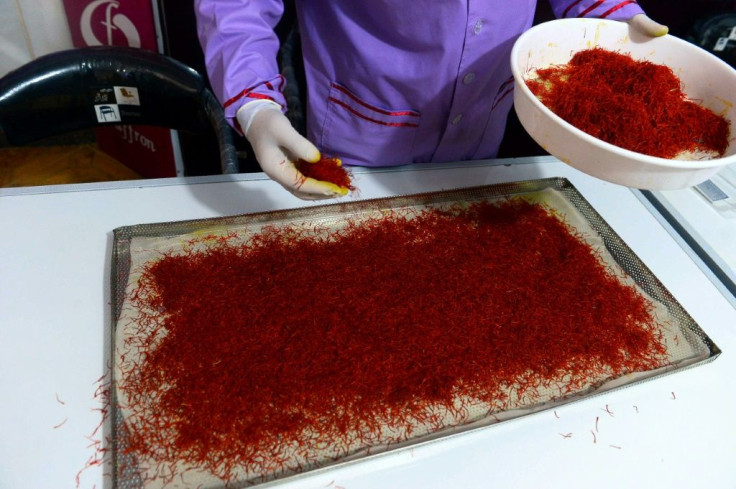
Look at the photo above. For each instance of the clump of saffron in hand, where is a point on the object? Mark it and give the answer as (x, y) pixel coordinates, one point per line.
(636, 105)
(326, 170)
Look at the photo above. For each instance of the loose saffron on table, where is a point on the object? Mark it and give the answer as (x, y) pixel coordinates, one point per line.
(634, 104)
(260, 355)
(326, 170)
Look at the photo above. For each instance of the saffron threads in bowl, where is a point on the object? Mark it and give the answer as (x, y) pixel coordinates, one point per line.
(326, 170)
(299, 346)
(636, 105)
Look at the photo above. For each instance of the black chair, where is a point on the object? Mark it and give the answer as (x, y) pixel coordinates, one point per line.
(72, 90)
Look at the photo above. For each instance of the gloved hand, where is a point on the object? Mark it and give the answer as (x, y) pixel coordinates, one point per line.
(277, 145)
(645, 25)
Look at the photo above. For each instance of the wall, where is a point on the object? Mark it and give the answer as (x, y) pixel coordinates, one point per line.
(29, 29)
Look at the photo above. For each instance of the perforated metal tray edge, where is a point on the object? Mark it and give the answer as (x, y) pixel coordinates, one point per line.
(124, 475)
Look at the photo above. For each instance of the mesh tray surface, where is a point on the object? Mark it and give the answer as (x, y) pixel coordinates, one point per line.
(557, 192)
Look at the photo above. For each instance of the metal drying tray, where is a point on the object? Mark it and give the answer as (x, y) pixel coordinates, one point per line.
(125, 474)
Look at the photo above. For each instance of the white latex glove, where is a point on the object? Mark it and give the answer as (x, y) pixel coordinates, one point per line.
(277, 145)
(647, 26)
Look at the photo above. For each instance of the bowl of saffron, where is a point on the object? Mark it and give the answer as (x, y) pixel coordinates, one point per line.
(647, 113)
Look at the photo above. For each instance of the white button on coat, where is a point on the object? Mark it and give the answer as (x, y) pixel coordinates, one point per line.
(478, 26)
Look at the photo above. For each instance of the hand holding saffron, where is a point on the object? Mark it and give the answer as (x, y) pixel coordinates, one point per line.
(647, 26)
(277, 146)
(327, 170)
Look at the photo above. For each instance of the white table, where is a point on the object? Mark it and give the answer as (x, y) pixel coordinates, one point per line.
(678, 431)
(709, 227)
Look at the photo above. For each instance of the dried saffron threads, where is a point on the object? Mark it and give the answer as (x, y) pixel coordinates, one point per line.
(298, 347)
(326, 170)
(636, 105)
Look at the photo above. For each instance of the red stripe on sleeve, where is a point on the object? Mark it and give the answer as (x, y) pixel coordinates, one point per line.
(237, 97)
(248, 92)
(616, 7)
(587, 10)
(564, 13)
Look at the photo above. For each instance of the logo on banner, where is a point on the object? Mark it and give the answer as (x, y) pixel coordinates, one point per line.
(100, 23)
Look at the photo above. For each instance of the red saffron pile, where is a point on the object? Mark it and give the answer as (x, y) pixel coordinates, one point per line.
(296, 341)
(326, 170)
(636, 105)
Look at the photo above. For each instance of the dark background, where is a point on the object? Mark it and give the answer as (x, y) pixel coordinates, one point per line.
(698, 21)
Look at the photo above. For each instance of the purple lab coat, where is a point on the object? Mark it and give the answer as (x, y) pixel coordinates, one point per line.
(389, 82)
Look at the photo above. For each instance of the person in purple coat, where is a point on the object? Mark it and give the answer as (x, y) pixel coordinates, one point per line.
(389, 82)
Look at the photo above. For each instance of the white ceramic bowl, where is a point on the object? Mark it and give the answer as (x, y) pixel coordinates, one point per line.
(704, 78)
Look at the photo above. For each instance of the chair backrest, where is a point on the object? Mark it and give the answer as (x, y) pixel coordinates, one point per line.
(108, 85)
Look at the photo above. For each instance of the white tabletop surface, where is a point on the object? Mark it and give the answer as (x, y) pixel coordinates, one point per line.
(710, 226)
(677, 431)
